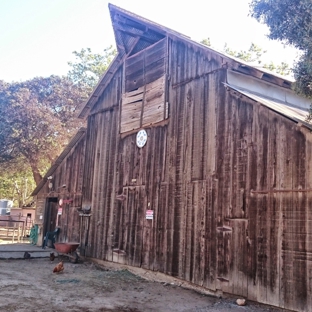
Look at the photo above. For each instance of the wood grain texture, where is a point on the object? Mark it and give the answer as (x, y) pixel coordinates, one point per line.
(144, 106)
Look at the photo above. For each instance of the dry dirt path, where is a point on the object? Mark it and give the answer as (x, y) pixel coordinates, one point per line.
(30, 285)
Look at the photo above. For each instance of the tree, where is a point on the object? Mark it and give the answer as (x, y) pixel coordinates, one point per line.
(6, 133)
(254, 53)
(16, 183)
(206, 42)
(282, 69)
(290, 21)
(89, 67)
(37, 117)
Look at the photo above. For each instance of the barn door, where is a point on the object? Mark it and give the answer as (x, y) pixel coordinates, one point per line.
(232, 252)
(239, 257)
(128, 245)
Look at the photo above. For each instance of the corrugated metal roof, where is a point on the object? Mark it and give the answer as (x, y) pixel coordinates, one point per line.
(59, 160)
(294, 113)
(267, 89)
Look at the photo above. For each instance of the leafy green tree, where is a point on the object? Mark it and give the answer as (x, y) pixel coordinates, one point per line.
(89, 67)
(303, 75)
(282, 68)
(253, 54)
(206, 42)
(16, 182)
(290, 21)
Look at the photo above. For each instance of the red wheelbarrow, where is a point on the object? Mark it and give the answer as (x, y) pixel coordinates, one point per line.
(68, 250)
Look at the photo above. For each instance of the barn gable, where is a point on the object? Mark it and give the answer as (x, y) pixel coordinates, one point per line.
(131, 35)
(134, 34)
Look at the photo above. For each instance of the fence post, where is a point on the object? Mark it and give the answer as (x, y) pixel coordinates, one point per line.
(22, 234)
(19, 233)
(13, 232)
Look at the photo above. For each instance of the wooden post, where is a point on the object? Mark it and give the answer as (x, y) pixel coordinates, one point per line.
(13, 232)
(23, 230)
(19, 233)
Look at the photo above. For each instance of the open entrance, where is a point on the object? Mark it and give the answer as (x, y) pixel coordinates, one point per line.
(50, 215)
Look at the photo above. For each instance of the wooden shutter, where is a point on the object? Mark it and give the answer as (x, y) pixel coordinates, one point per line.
(154, 102)
(143, 102)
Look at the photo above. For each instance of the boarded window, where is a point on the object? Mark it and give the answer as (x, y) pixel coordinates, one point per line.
(143, 102)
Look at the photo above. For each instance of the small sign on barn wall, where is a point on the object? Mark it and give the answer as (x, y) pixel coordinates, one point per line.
(59, 211)
(149, 214)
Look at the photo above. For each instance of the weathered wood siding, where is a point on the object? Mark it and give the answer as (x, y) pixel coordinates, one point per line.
(100, 169)
(69, 173)
(142, 184)
(222, 176)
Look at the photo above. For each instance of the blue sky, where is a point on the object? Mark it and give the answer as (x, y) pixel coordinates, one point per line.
(37, 37)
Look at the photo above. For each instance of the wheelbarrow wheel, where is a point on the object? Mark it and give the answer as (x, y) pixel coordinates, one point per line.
(75, 257)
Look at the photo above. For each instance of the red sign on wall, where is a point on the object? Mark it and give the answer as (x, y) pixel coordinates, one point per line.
(149, 214)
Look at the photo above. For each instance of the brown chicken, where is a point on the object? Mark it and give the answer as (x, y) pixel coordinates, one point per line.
(59, 268)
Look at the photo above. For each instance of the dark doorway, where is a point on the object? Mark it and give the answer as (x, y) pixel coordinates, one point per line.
(50, 215)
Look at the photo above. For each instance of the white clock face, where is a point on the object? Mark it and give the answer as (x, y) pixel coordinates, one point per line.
(141, 138)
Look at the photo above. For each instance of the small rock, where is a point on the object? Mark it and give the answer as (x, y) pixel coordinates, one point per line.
(241, 302)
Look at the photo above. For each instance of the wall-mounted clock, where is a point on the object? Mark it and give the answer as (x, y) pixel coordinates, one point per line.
(141, 138)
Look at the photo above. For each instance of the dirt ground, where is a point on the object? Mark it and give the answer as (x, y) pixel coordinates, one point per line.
(29, 285)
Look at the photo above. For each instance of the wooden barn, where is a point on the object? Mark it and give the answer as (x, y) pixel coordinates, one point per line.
(196, 165)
